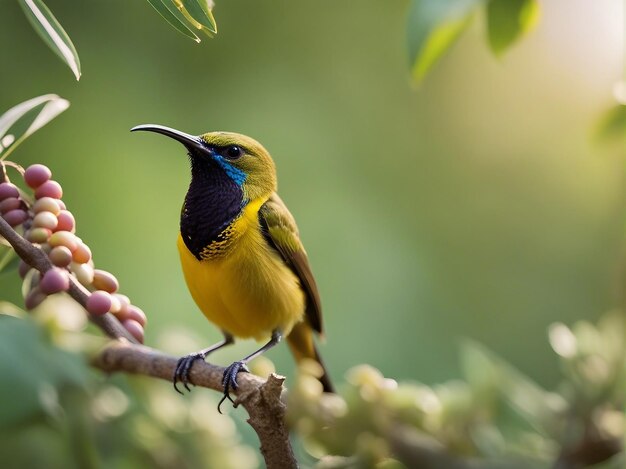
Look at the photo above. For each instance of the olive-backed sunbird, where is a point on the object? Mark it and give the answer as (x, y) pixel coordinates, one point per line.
(241, 253)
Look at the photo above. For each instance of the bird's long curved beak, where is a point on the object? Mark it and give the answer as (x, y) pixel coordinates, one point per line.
(190, 141)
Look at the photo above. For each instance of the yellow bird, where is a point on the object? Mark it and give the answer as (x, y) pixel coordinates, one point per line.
(241, 253)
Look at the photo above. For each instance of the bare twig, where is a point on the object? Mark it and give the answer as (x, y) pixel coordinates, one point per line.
(37, 259)
(261, 399)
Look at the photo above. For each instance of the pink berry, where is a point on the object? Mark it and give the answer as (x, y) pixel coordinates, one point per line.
(11, 203)
(8, 190)
(99, 302)
(49, 189)
(15, 217)
(54, 281)
(35, 175)
(136, 314)
(134, 328)
(66, 221)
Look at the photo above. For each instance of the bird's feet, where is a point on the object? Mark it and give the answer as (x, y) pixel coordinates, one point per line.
(229, 380)
(183, 367)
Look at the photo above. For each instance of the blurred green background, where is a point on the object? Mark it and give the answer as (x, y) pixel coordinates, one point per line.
(475, 206)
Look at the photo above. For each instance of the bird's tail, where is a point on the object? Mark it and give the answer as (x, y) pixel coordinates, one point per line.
(301, 343)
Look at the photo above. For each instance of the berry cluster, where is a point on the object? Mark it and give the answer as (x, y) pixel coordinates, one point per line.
(48, 224)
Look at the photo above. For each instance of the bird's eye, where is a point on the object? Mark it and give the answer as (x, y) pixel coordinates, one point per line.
(233, 152)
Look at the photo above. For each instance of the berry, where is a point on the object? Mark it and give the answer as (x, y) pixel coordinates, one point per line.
(116, 305)
(54, 281)
(136, 314)
(83, 272)
(66, 221)
(47, 204)
(82, 255)
(34, 298)
(49, 189)
(99, 302)
(38, 235)
(134, 328)
(64, 238)
(8, 190)
(37, 174)
(60, 256)
(8, 204)
(15, 217)
(45, 220)
(103, 280)
(23, 269)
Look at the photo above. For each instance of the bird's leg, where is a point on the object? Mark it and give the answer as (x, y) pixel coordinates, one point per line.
(183, 367)
(229, 379)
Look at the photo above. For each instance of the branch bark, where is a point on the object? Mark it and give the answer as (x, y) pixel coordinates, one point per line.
(261, 399)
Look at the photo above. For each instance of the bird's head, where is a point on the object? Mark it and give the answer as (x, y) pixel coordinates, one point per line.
(244, 160)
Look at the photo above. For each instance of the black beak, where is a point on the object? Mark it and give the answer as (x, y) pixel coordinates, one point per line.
(190, 141)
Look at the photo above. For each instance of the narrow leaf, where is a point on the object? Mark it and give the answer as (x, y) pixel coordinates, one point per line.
(200, 12)
(508, 20)
(9, 309)
(172, 15)
(8, 259)
(53, 34)
(24, 119)
(434, 26)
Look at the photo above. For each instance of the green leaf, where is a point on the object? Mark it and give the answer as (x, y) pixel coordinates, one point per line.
(434, 26)
(200, 12)
(508, 20)
(8, 259)
(173, 16)
(540, 408)
(9, 309)
(34, 370)
(53, 34)
(24, 119)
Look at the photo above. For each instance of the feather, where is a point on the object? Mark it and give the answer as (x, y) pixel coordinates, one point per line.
(281, 231)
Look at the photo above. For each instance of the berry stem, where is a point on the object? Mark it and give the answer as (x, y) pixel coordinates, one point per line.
(5, 176)
(37, 259)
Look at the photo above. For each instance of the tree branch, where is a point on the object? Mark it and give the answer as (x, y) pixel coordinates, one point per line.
(37, 259)
(261, 399)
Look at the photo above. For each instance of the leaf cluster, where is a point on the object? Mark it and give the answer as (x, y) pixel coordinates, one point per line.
(496, 416)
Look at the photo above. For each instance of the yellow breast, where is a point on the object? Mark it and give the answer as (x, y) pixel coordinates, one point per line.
(250, 291)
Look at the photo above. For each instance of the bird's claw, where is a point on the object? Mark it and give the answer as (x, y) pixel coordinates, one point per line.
(183, 367)
(229, 380)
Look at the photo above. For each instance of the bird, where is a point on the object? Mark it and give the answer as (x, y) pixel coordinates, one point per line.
(241, 254)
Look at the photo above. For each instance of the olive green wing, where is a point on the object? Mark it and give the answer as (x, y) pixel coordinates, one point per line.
(281, 231)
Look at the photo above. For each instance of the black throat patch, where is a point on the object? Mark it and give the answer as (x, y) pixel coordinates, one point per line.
(212, 202)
